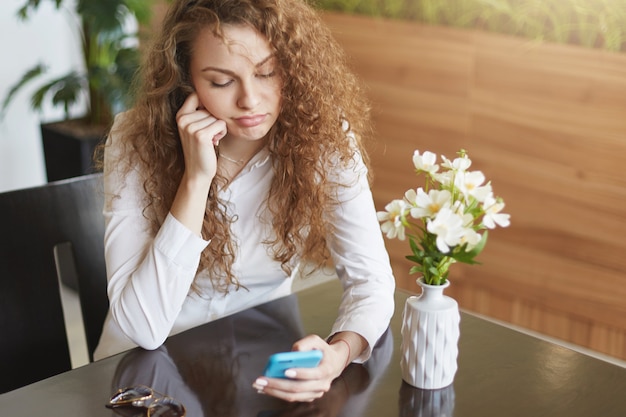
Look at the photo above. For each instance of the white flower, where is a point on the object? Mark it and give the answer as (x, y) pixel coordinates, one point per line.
(427, 205)
(444, 178)
(480, 193)
(425, 162)
(471, 238)
(470, 185)
(392, 218)
(493, 217)
(448, 227)
(459, 164)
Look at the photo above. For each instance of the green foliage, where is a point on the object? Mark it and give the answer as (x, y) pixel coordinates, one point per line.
(589, 23)
(30, 75)
(434, 265)
(109, 60)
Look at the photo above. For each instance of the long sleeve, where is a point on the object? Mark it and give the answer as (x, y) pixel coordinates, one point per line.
(150, 273)
(361, 261)
(149, 276)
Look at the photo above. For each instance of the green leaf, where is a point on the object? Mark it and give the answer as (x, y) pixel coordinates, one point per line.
(30, 75)
(142, 9)
(465, 258)
(413, 258)
(468, 257)
(415, 269)
(68, 90)
(65, 91)
(32, 5)
(105, 16)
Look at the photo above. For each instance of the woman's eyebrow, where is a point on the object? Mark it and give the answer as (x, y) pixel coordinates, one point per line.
(229, 72)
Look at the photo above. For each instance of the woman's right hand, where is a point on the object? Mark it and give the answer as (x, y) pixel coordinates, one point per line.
(199, 133)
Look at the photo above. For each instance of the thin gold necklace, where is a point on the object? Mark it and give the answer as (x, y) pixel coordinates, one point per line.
(234, 161)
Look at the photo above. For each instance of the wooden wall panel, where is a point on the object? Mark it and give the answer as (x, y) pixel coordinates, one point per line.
(547, 125)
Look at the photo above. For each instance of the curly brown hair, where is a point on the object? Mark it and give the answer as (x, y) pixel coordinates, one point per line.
(319, 92)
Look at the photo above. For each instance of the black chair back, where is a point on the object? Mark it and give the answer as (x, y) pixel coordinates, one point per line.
(60, 220)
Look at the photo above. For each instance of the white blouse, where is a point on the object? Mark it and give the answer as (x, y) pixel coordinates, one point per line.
(150, 276)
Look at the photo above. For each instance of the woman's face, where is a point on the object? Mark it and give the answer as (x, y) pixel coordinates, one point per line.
(237, 80)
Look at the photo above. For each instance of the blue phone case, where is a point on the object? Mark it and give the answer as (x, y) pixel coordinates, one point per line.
(278, 363)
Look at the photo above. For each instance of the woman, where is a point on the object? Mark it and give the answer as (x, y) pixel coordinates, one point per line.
(236, 166)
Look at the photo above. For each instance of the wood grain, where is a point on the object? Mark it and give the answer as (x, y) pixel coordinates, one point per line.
(547, 125)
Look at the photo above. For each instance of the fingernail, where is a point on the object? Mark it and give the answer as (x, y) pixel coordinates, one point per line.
(260, 382)
(290, 373)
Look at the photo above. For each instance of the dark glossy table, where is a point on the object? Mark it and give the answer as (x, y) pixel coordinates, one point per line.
(210, 369)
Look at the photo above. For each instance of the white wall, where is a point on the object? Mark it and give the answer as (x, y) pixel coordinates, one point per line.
(48, 36)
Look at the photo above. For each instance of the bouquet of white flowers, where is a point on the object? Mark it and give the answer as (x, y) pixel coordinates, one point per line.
(446, 221)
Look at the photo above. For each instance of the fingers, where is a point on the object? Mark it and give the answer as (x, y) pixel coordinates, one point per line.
(304, 384)
(202, 126)
(310, 342)
(221, 132)
(195, 121)
(292, 390)
(332, 363)
(191, 104)
(199, 133)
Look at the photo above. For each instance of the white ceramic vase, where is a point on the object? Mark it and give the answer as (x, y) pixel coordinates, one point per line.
(430, 336)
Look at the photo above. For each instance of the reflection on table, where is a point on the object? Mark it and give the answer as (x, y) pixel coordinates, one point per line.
(211, 369)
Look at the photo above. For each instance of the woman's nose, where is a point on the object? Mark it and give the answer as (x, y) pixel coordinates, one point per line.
(249, 96)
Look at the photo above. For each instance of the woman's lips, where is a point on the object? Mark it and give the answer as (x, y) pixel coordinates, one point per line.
(251, 121)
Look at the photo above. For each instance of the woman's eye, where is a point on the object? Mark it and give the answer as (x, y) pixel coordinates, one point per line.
(220, 85)
(267, 74)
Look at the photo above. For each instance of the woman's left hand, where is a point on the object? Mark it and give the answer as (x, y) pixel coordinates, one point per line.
(308, 384)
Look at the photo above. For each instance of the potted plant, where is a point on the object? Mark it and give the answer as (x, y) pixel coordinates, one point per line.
(111, 57)
(446, 221)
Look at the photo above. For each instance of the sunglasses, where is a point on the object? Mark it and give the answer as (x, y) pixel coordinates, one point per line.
(135, 401)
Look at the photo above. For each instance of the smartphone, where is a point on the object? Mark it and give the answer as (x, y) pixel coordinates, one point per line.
(278, 363)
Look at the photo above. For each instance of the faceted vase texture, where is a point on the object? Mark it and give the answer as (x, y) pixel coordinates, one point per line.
(430, 336)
